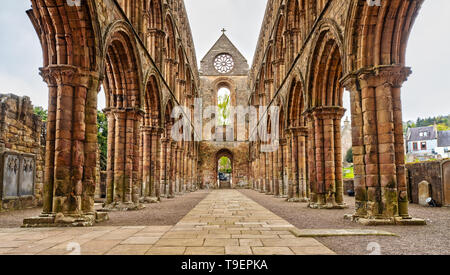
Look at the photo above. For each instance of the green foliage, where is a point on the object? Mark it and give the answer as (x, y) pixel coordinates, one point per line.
(442, 123)
(225, 165)
(349, 173)
(442, 127)
(439, 120)
(224, 109)
(41, 112)
(349, 156)
(102, 136)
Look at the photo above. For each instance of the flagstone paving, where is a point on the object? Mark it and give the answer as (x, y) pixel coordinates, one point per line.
(226, 222)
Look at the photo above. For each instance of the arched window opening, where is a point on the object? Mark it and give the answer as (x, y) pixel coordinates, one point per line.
(224, 105)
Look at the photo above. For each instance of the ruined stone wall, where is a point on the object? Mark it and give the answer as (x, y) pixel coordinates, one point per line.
(430, 172)
(20, 136)
(208, 155)
(210, 147)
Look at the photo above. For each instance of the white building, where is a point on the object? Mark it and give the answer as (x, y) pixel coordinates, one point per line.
(443, 147)
(421, 141)
(424, 143)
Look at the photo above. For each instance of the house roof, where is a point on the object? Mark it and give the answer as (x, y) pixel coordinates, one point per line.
(414, 134)
(444, 139)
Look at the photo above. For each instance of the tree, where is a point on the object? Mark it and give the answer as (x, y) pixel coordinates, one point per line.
(41, 112)
(349, 156)
(224, 109)
(102, 136)
(224, 165)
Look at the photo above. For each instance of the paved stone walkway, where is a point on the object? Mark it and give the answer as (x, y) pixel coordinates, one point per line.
(225, 223)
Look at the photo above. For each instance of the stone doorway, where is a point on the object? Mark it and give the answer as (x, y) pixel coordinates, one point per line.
(224, 169)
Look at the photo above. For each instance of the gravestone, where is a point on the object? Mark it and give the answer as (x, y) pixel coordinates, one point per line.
(26, 186)
(11, 167)
(424, 192)
(18, 176)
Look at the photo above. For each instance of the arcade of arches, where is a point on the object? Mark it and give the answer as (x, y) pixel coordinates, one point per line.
(142, 52)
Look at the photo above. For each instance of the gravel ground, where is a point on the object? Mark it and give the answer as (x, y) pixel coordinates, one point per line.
(14, 219)
(168, 212)
(433, 238)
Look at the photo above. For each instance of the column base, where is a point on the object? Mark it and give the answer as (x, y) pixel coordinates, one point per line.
(150, 200)
(121, 206)
(297, 200)
(314, 205)
(373, 221)
(59, 220)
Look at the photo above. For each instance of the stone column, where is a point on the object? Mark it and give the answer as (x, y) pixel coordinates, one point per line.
(180, 169)
(272, 172)
(146, 150)
(289, 164)
(311, 156)
(69, 186)
(294, 183)
(276, 172)
(87, 136)
(302, 133)
(156, 45)
(119, 155)
(155, 162)
(173, 168)
(380, 183)
(49, 173)
(110, 156)
(282, 167)
(164, 166)
(328, 192)
(267, 176)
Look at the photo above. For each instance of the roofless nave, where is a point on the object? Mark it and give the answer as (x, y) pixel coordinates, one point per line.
(142, 54)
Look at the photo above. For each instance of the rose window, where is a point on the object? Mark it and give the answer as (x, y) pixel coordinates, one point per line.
(224, 63)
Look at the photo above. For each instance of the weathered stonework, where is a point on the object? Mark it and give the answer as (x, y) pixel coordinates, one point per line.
(434, 173)
(20, 138)
(309, 51)
(143, 55)
(230, 141)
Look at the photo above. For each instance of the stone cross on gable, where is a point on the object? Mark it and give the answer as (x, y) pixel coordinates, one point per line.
(224, 30)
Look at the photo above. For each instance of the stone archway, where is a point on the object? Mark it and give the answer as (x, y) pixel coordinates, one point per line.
(228, 154)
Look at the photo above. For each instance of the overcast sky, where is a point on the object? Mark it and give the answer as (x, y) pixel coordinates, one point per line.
(427, 93)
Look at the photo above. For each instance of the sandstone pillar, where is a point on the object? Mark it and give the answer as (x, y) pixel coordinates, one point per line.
(165, 166)
(380, 182)
(289, 164)
(282, 167)
(69, 186)
(155, 44)
(155, 162)
(302, 133)
(276, 172)
(110, 156)
(328, 190)
(146, 151)
(173, 168)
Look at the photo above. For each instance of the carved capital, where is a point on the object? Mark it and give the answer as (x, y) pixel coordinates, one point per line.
(393, 76)
(327, 112)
